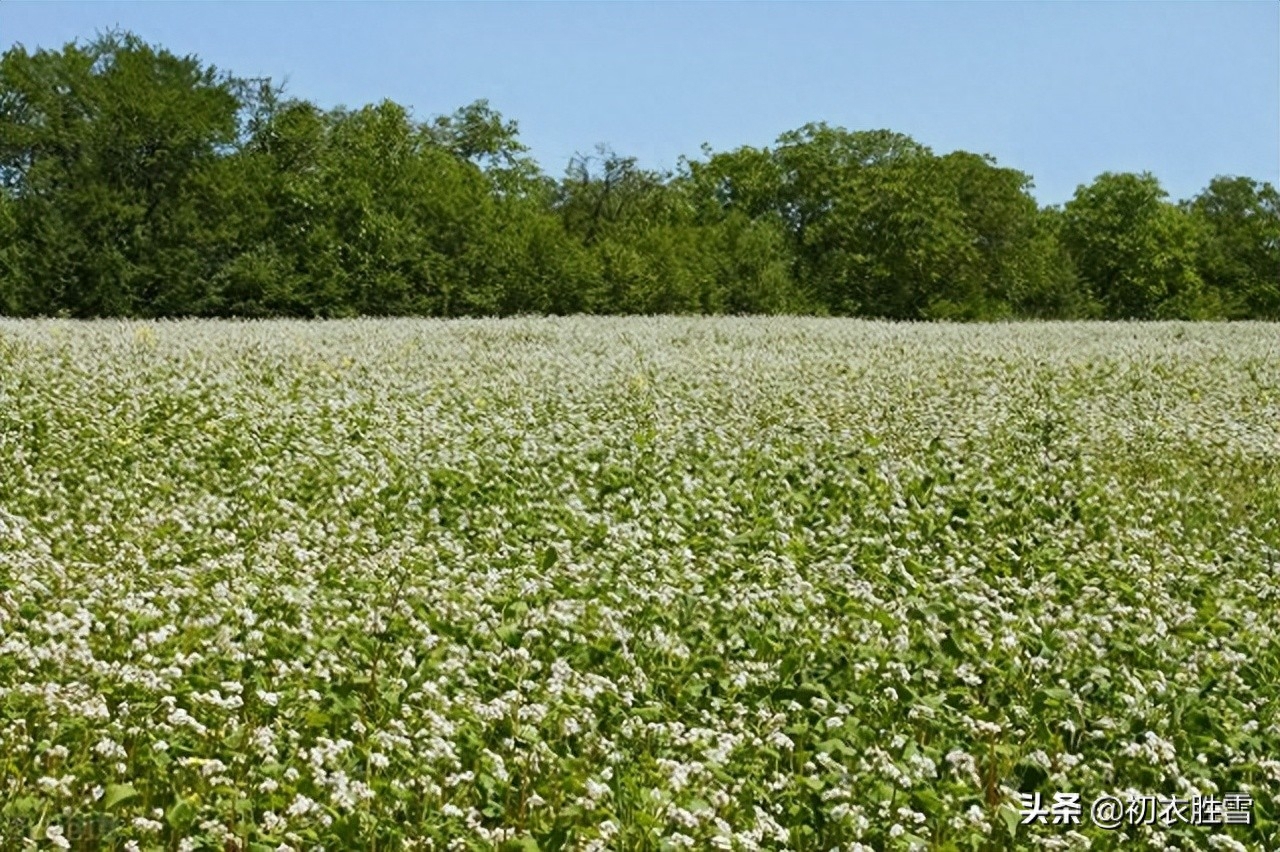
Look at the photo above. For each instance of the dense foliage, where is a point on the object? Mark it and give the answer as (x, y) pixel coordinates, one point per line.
(134, 182)
(740, 583)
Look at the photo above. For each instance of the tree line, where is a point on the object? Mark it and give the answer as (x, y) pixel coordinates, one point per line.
(138, 183)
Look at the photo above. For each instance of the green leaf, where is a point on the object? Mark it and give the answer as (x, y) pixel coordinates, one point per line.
(316, 719)
(1011, 819)
(929, 801)
(522, 844)
(833, 747)
(182, 813)
(117, 793)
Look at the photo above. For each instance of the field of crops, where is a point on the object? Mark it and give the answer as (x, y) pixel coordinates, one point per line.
(636, 583)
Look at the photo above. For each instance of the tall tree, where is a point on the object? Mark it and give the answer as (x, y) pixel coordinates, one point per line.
(1053, 287)
(998, 218)
(1241, 252)
(135, 182)
(102, 147)
(275, 231)
(480, 135)
(9, 253)
(1135, 250)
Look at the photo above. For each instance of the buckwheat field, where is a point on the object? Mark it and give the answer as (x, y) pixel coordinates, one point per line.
(634, 584)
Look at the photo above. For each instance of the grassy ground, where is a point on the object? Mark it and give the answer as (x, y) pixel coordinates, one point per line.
(635, 584)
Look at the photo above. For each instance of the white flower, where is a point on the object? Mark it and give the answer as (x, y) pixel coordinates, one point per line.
(54, 834)
(301, 806)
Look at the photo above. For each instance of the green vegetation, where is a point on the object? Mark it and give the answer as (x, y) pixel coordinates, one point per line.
(136, 183)
(634, 583)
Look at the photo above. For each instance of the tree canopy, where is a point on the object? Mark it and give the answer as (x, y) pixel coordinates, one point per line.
(135, 182)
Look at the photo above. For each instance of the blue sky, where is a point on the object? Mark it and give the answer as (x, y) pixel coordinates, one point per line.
(1061, 90)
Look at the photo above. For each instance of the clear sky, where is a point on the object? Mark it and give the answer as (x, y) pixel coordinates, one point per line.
(1062, 90)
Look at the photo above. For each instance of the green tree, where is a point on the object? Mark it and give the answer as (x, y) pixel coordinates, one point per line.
(404, 215)
(520, 254)
(607, 194)
(1240, 255)
(137, 182)
(998, 220)
(102, 148)
(1136, 251)
(480, 135)
(631, 220)
(738, 196)
(845, 202)
(891, 244)
(753, 267)
(820, 164)
(746, 181)
(9, 254)
(272, 226)
(359, 212)
(1052, 288)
